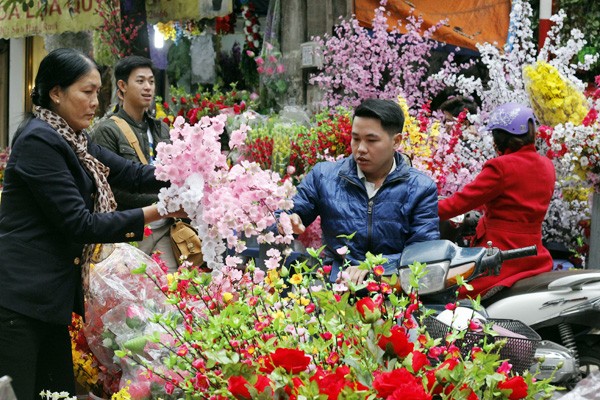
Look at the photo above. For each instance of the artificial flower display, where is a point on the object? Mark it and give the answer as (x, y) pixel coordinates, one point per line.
(259, 334)
(286, 331)
(360, 63)
(224, 202)
(554, 99)
(193, 106)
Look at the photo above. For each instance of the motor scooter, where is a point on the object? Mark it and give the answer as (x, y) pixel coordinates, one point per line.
(562, 307)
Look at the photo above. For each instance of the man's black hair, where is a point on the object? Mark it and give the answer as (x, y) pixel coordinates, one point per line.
(388, 112)
(126, 65)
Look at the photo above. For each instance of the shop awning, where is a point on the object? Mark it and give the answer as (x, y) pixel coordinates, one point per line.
(59, 18)
(469, 21)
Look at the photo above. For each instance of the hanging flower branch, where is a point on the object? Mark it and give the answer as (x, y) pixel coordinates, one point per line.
(116, 33)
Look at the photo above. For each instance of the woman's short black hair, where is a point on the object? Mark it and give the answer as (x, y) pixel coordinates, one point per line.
(62, 68)
(458, 104)
(388, 112)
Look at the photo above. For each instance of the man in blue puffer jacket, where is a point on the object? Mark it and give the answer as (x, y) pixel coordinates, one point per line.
(373, 193)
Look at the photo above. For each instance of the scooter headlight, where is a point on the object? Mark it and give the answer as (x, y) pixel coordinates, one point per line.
(433, 281)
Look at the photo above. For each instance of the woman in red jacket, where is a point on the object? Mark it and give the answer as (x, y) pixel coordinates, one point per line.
(514, 190)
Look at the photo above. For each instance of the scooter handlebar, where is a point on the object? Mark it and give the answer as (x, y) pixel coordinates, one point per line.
(518, 253)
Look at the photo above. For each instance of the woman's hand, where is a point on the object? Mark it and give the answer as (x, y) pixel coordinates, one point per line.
(151, 214)
(177, 214)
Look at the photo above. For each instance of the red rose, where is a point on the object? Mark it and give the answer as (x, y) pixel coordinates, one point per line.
(262, 383)
(292, 360)
(238, 386)
(419, 360)
(517, 385)
(368, 310)
(397, 342)
(399, 383)
(410, 391)
(332, 383)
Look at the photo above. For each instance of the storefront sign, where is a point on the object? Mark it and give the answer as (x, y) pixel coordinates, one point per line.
(174, 10)
(58, 18)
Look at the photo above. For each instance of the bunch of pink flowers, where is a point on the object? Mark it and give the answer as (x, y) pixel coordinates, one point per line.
(226, 203)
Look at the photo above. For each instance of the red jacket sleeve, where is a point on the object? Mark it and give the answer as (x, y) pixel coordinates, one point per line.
(486, 186)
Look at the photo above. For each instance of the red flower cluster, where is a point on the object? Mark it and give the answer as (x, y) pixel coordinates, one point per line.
(293, 361)
(251, 28)
(260, 151)
(399, 384)
(194, 107)
(225, 25)
(545, 133)
(440, 162)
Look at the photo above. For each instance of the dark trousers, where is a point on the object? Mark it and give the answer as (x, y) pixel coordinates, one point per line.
(36, 355)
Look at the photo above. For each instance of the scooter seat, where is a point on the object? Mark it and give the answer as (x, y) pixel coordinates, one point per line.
(534, 284)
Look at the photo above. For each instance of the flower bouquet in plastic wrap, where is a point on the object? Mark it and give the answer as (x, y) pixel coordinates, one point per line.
(120, 305)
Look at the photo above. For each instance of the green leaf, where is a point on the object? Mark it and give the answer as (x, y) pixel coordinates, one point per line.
(136, 345)
(120, 353)
(140, 270)
(349, 237)
(315, 253)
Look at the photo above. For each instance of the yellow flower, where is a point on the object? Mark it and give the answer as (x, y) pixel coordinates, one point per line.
(553, 97)
(304, 301)
(160, 111)
(416, 143)
(296, 279)
(272, 277)
(167, 30)
(122, 394)
(227, 297)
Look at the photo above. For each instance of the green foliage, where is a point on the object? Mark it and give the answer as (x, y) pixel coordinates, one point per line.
(179, 67)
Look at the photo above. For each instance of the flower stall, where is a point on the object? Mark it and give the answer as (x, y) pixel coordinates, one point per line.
(283, 331)
(280, 332)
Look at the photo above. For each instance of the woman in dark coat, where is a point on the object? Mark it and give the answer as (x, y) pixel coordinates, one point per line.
(56, 203)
